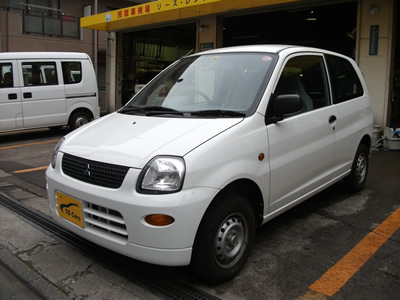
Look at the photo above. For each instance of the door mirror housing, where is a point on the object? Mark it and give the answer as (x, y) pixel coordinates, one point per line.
(285, 105)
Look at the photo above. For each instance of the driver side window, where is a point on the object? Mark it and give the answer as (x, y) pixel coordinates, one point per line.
(305, 76)
(6, 75)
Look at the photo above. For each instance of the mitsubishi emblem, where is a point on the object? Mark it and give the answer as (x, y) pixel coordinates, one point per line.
(86, 172)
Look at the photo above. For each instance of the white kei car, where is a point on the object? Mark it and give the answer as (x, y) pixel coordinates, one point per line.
(217, 144)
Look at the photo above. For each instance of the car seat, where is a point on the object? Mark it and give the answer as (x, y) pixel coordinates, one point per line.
(7, 80)
(293, 85)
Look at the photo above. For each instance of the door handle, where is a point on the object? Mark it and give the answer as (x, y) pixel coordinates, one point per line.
(28, 95)
(332, 119)
(12, 96)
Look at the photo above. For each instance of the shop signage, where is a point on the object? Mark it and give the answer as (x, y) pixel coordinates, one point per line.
(152, 7)
(206, 46)
(373, 40)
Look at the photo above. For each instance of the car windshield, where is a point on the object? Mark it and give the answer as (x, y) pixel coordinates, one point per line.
(209, 85)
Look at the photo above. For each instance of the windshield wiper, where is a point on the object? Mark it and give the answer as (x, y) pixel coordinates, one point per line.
(148, 110)
(162, 110)
(218, 113)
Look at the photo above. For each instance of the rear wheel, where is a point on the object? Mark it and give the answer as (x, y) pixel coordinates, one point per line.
(78, 119)
(224, 239)
(356, 179)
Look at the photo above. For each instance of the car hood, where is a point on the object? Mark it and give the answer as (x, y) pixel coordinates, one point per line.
(133, 140)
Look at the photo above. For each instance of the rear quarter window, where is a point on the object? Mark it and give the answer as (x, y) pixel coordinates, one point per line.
(346, 84)
(72, 72)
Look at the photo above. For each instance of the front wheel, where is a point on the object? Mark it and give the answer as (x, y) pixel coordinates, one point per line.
(356, 179)
(224, 239)
(78, 119)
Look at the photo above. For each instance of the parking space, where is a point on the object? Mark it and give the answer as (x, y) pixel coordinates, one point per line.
(335, 245)
(27, 154)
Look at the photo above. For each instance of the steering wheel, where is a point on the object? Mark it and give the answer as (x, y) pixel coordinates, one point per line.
(201, 94)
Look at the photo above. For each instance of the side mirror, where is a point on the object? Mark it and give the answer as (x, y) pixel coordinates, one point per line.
(285, 105)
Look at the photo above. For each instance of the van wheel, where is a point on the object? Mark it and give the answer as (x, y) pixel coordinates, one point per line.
(224, 239)
(356, 179)
(78, 119)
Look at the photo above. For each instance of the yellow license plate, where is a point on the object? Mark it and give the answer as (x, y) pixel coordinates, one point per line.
(70, 209)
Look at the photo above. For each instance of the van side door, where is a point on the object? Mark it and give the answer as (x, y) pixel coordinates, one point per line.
(11, 116)
(43, 97)
(301, 146)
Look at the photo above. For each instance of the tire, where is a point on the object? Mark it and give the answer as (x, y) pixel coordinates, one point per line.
(78, 119)
(354, 182)
(224, 240)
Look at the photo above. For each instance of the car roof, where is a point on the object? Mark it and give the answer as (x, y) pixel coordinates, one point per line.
(266, 48)
(43, 55)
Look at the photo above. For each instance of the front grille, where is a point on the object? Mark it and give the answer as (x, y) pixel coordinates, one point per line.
(94, 172)
(107, 221)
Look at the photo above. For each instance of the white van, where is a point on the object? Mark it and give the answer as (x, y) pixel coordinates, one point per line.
(217, 144)
(47, 89)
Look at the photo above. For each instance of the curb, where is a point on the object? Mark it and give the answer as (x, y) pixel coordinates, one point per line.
(32, 280)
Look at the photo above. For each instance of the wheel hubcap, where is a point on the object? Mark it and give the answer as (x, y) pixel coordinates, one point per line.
(80, 121)
(230, 241)
(361, 168)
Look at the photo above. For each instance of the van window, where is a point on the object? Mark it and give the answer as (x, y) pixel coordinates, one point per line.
(39, 73)
(6, 75)
(345, 82)
(72, 72)
(305, 76)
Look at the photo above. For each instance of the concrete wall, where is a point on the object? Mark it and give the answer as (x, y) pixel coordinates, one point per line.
(377, 68)
(207, 32)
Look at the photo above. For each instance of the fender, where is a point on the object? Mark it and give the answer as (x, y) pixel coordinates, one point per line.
(240, 152)
(90, 104)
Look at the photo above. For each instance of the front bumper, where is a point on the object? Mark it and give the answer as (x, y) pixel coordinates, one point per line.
(167, 245)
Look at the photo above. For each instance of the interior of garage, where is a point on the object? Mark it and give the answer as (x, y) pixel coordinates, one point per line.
(148, 51)
(329, 27)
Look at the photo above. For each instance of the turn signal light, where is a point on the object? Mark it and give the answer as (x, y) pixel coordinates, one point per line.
(159, 220)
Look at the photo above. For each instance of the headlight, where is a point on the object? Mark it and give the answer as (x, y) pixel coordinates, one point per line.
(55, 152)
(162, 175)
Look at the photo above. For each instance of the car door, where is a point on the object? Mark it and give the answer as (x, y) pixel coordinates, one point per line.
(43, 98)
(10, 97)
(301, 146)
(353, 107)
